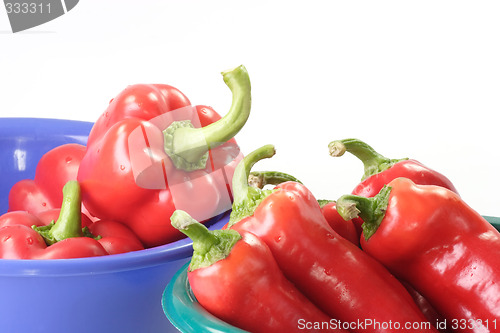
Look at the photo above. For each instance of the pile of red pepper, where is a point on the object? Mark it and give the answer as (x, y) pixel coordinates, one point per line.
(149, 153)
(402, 253)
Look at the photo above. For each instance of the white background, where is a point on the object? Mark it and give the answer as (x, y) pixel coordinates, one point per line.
(416, 79)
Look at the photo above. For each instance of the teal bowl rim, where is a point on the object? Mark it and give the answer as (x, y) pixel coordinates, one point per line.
(185, 313)
(188, 316)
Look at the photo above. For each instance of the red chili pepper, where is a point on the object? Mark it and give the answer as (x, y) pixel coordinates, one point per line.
(53, 171)
(349, 230)
(333, 273)
(137, 173)
(346, 229)
(427, 309)
(431, 238)
(235, 277)
(60, 240)
(380, 170)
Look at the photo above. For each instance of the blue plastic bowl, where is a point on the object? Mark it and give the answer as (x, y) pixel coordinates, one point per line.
(185, 313)
(117, 293)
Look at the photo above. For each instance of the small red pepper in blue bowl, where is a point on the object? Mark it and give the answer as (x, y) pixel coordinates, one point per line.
(65, 227)
(54, 169)
(61, 239)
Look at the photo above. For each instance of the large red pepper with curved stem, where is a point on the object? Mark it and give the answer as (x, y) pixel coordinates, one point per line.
(139, 169)
(141, 101)
(336, 275)
(24, 236)
(380, 170)
(234, 276)
(53, 171)
(428, 236)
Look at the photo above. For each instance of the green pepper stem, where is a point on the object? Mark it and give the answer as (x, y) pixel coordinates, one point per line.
(260, 179)
(189, 146)
(323, 202)
(69, 223)
(246, 197)
(199, 234)
(208, 246)
(370, 210)
(242, 172)
(373, 161)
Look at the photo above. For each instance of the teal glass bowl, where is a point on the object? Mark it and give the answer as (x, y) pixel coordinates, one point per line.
(185, 313)
(188, 316)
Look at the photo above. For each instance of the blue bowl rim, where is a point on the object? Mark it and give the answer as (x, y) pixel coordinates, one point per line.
(37, 125)
(178, 297)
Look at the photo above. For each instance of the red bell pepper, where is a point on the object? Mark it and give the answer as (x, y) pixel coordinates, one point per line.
(50, 215)
(380, 170)
(21, 217)
(429, 237)
(333, 273)
(136, 172)
(53, 171)
(60, 240)
(115, 237)
(235, 277)
(142, 101)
